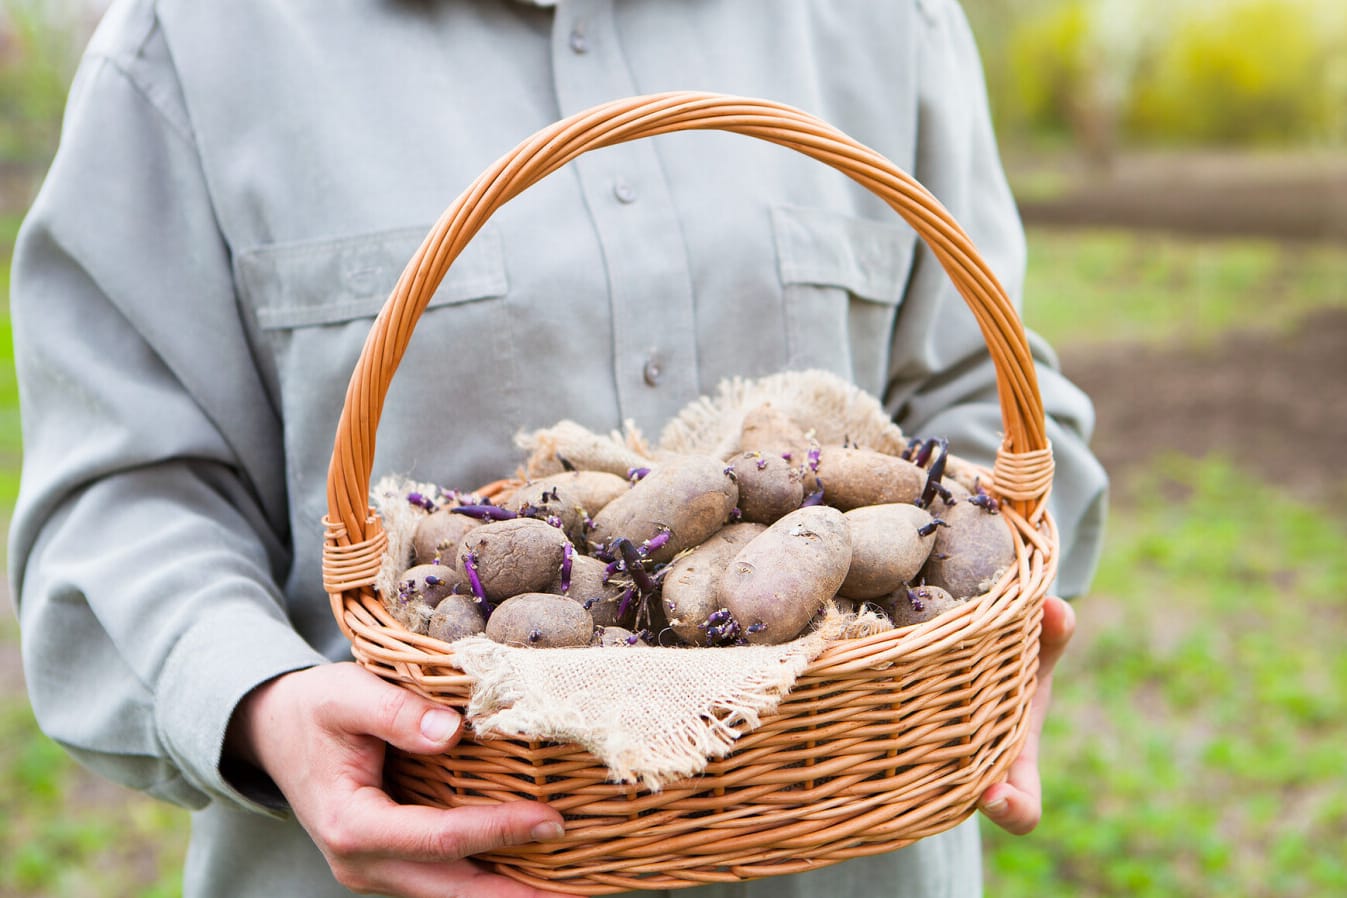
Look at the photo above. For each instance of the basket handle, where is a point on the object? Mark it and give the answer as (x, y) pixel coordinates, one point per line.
(1023, 470)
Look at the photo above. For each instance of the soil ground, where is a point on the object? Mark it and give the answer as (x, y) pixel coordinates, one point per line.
(1274, 404)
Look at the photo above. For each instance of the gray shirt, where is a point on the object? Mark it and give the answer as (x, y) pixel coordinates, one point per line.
(237, 189)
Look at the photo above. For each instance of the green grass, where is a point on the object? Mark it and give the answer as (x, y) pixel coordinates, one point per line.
(1090, 287)
(1196, 741)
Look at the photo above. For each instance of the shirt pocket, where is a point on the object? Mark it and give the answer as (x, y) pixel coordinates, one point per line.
(843, 280)
(314, 303)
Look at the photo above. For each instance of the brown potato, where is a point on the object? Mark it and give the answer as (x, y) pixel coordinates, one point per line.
(691, 591)
(887, 549)
(438, 534)
(906, 607)
(540, 620)
(617, 637)
(855, 477)
(591, 490)
(689, 496)
(419, 590)
(771, 431)
(769, 486)
(777, 582)
(511, 557)
(971, 552)
(455, 617)
(602, 600)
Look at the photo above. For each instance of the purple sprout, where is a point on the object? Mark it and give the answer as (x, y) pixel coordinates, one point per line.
(656, 542)
(485, 511)
(567, 553)
(635, 474)
(421, 501)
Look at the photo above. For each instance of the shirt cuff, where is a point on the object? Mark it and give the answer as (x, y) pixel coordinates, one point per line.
(213, 665)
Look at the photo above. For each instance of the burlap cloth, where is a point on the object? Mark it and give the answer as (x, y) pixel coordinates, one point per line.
(652, 715)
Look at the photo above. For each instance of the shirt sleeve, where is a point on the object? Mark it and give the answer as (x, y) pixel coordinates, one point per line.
(150, 530)
(942, 381)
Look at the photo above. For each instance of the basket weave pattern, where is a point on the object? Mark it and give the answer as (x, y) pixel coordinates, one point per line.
(884, 739)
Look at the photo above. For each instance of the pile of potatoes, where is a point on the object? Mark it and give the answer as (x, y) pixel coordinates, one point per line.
(699, 550)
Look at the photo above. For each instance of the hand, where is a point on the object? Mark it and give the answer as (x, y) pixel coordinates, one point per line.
(320, 734)
(1017, 804)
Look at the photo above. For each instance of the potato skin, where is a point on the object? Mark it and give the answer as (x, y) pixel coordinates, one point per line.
(514, 556)
(691, 589)
(419, 589)
(600, 599)
(769, 486)
(970, 553)
(769, 430)
(455, 617)
(540, 620)
(886, 549)
(592, 490)
(689, 495)
(779, 581)
(906, 607)
(856, 477)
(438, 534)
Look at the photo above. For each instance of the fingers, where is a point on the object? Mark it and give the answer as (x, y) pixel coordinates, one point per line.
(1016, 805)
(461, 879)
(373, 825)
(1059, 624)
(359, 703)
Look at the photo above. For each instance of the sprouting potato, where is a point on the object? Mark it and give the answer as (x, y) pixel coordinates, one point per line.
(438, 534)
(889, 545)
(769, 430)
(691, 592)
(586, 585)
(509, 557)
(680, 503)
(917, 605)
(779, 581)
(419, 589)
(970, 552)
(769, 486)
(854, 477)
(540, 620)
(455, 617)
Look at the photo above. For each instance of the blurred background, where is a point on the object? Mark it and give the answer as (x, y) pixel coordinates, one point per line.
(1182, 169)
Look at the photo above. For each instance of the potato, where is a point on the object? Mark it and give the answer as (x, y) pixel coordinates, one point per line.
(554, 505)
(855, 477)
(769, 430)
(769, 486)
(971, 552)
(540, 620)
(906, 607)
(691, 591)
(587, 587)
(591, 490)
(455, 617)
(420, 589)
(887, 549)
(617, 637)
(689, 496)
(438, 534)
(513, 556)
(777, 582)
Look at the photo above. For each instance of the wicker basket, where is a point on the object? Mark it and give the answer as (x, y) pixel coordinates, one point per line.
(884, 740)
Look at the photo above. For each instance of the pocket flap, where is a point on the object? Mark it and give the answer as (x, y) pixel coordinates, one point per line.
(324, 282)
(870, 259)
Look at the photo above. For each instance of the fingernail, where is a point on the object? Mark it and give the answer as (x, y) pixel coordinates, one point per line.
(437, 724)
(994, 808)
(547, 832)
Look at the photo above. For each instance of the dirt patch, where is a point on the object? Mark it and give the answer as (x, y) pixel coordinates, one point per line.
(1274, 404)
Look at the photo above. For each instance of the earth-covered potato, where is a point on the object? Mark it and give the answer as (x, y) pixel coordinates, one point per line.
(769, 430)
(681, 502)
(906, 607)
(779, 581)
(540, 620)
(889, 544)
(769, 486)
(438, 534)
(691, 592)
(601, 599)
(511, 557)
(419, 589)
(591, 490)
(455, 617)
(971, 552)
(854, 477)
(617, 637)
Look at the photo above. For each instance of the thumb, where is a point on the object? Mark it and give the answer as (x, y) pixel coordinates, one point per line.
(365, 705)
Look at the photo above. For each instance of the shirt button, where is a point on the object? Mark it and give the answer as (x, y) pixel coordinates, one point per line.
(624, 192)
(579, 43)
(653, 372)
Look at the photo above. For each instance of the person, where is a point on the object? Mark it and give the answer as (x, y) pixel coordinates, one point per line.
(236, 191)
